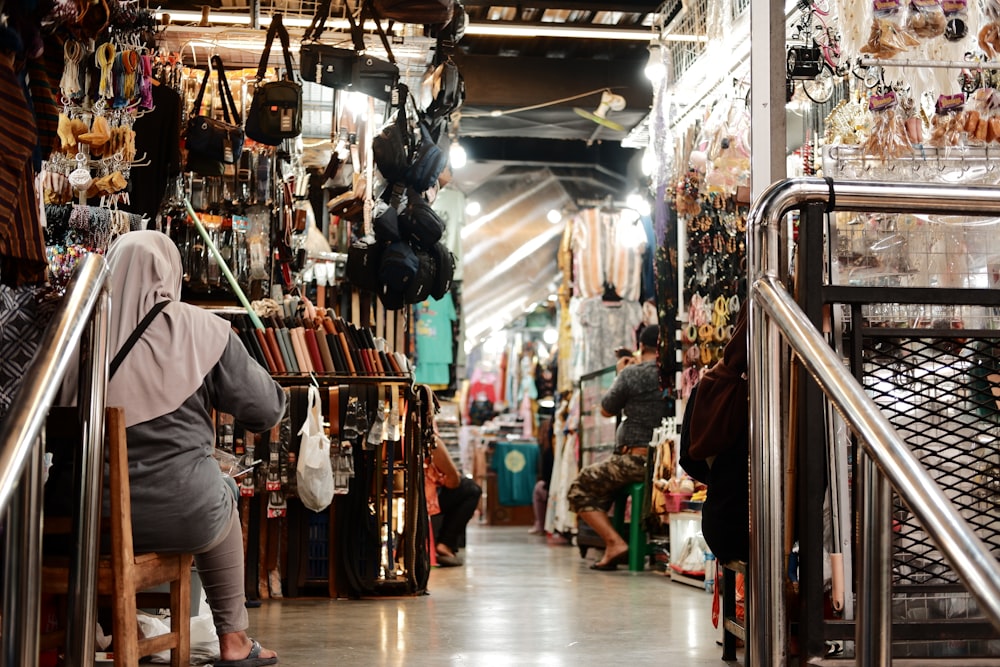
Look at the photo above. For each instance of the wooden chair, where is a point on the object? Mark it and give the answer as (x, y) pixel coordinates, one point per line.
(122, 573)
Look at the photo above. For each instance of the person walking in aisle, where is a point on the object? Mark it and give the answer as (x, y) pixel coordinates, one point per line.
(636, 395)
(186, 363)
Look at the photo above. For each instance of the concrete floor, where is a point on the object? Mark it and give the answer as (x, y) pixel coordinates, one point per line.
(517, 601)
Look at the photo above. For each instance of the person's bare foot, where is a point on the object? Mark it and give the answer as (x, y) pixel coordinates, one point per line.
(612, 554)
(238, 645)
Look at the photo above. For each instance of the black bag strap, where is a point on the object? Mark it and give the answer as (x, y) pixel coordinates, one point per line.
(277, 28)
(357, 33)
(196, 111)
(318, 23)
(134, 337)
(225, 94)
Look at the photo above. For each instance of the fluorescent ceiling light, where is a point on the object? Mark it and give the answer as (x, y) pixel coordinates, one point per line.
(487, 29)
(219, 18)
(573, 31)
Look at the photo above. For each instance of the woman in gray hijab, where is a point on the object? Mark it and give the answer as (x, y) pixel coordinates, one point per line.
(186, 363)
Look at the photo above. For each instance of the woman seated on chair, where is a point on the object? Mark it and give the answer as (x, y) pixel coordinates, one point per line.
(186, 363)
(635, 394)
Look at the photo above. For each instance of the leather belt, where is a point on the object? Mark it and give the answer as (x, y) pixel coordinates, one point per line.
(636, 451)
(335, 412)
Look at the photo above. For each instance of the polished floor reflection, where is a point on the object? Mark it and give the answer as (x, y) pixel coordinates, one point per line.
(517, 601)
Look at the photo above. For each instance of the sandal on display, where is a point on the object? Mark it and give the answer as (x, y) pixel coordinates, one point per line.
(252, 660)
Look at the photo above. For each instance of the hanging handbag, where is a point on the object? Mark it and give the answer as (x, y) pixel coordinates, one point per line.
(276, 110)
(210, 141)
(347, 69)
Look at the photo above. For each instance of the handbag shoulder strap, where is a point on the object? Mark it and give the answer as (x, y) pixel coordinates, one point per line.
(277, 28)
(134, 337)
(357, 28)
(226, 95)
(318, 23)
(196, 111)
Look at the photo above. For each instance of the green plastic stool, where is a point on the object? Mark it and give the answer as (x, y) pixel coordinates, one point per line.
(638, 546)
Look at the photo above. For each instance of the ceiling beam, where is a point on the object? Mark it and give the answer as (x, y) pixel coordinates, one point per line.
(499, 83)
(608, 157)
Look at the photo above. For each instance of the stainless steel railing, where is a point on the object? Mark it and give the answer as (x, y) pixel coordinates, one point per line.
(773, 317)
(82, 317)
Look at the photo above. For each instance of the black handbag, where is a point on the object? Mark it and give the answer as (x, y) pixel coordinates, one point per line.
(276, 110)
(210, 141)
(347, 69)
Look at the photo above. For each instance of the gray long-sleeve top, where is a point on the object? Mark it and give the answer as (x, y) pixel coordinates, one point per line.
(180, 501)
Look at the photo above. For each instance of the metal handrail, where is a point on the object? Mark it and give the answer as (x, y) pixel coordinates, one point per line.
(83, 310)
(773, 314)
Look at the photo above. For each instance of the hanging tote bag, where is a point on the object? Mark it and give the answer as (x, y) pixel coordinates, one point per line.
(347, 69)
(314, 472)
(212, 142)
(276, 110)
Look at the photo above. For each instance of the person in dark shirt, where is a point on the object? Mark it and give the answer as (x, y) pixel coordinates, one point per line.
(636, 395)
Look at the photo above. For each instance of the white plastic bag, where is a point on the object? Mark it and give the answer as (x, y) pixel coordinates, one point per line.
(314, 472)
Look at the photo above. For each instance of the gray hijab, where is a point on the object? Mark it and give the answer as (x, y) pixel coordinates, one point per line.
(182, 344)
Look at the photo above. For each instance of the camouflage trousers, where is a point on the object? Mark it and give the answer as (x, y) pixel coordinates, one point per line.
(596, 485)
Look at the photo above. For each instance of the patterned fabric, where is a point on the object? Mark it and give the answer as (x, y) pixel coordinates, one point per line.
(603, 327)
(24, 314)
(21, 244)
(596, 485)
(600, 256)
(635, 394)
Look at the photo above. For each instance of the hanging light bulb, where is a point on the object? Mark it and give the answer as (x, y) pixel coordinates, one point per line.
(638, 203)
(457, 155)
(655, 70)
(554, 215)
(649, 161)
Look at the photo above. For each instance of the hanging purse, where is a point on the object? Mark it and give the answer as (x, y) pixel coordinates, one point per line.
(211, 142)
(276, 110)
(347, 69)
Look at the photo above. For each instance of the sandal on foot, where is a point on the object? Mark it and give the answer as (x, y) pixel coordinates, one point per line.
(252, 660)
(612, 564)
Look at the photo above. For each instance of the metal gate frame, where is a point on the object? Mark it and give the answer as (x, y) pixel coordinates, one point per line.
(777, 323)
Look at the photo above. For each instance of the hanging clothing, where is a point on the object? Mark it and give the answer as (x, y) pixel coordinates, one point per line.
(605, 326)
(516, 465)
(559, 518)
(435, 341)
(157, 136)
(602, 258)
(22, 248)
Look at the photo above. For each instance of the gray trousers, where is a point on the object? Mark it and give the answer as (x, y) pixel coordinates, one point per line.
(220, 567)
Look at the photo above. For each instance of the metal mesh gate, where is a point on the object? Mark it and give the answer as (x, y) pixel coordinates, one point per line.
(940, 389)
(942, 393)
